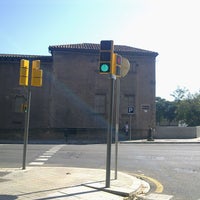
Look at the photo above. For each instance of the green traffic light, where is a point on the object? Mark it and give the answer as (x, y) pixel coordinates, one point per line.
(104, 68)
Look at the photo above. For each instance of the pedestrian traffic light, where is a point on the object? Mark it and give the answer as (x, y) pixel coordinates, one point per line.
(24, 71)
(24, 107)
(106, 56)
(36, 76)
(116, 68)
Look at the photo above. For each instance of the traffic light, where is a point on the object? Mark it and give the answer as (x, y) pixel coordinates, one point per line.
(106, 56)
(116, 68)
(23, 74)
(36, 76)
(24, 107)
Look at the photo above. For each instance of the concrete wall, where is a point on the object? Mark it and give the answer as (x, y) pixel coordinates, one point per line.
(198, 131)
(169, 132)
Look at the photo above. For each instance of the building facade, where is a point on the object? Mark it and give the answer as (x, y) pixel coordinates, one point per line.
(75, 99)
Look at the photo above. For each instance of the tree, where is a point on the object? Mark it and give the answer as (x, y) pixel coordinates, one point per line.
(188, 110)
(180, 93)
(170, 111)
(160, 107)
(184, 109)
(165, 110)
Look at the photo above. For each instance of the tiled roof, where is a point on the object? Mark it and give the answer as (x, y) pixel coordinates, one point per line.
(96, 47)
(16, 57)
(84, 47)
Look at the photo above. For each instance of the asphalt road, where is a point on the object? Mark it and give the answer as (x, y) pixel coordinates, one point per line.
(175, 166)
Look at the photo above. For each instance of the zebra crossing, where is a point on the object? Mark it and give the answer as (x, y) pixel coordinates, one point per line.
(45, 156)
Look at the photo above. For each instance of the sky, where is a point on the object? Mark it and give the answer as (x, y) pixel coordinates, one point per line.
(168, 27)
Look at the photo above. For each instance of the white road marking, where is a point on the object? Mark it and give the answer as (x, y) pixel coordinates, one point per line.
(41, 159)
(154, 196)
(46, 155)
(36, 163)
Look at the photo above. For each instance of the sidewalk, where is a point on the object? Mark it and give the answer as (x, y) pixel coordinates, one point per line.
(164, 141)
(46, 183)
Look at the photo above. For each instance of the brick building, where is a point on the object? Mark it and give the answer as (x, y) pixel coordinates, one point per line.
(74, 98)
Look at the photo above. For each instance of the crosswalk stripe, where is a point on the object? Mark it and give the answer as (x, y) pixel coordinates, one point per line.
(41, 159)
(46, 155)
(36, 163)
(154, 196)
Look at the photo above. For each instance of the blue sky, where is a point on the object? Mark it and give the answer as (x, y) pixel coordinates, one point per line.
(169, 27)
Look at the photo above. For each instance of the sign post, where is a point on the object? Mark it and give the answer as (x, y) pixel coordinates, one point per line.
(109, 135)
(130, 112)
(117, 103)
(29, 76)
(26, 128)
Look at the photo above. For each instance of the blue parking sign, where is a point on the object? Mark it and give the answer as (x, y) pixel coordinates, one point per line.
(130, 110)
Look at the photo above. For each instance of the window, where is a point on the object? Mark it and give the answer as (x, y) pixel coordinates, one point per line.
(129, 101)
(133, 67)
(100, 103)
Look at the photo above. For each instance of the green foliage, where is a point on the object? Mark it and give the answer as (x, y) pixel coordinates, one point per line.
(185, 108)
(165, 110)
(179, 94)
(188, 110)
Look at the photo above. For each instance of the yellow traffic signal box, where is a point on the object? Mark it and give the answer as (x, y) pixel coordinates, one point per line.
(37, 73)
(116, 65)
(106, 56)
(24, 71)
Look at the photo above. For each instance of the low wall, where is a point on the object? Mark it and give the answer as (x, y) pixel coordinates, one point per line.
(174, 132)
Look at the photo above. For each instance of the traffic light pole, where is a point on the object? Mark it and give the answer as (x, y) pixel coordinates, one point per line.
(110, 128)
(117, 123)
(116, 66)
(130, 120)
(27, 117)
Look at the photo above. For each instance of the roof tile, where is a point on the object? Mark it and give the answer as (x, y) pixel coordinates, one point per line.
(96, 47)
(16, 57)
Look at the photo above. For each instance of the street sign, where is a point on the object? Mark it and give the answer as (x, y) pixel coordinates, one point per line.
(125, 67)
(131, 110)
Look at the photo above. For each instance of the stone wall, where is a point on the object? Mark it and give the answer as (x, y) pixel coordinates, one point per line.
(10, 92)
(75, 96)
(174, 132)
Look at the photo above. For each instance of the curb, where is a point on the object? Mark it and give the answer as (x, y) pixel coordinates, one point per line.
(125, 187)
(142, 188)
(158, 142)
